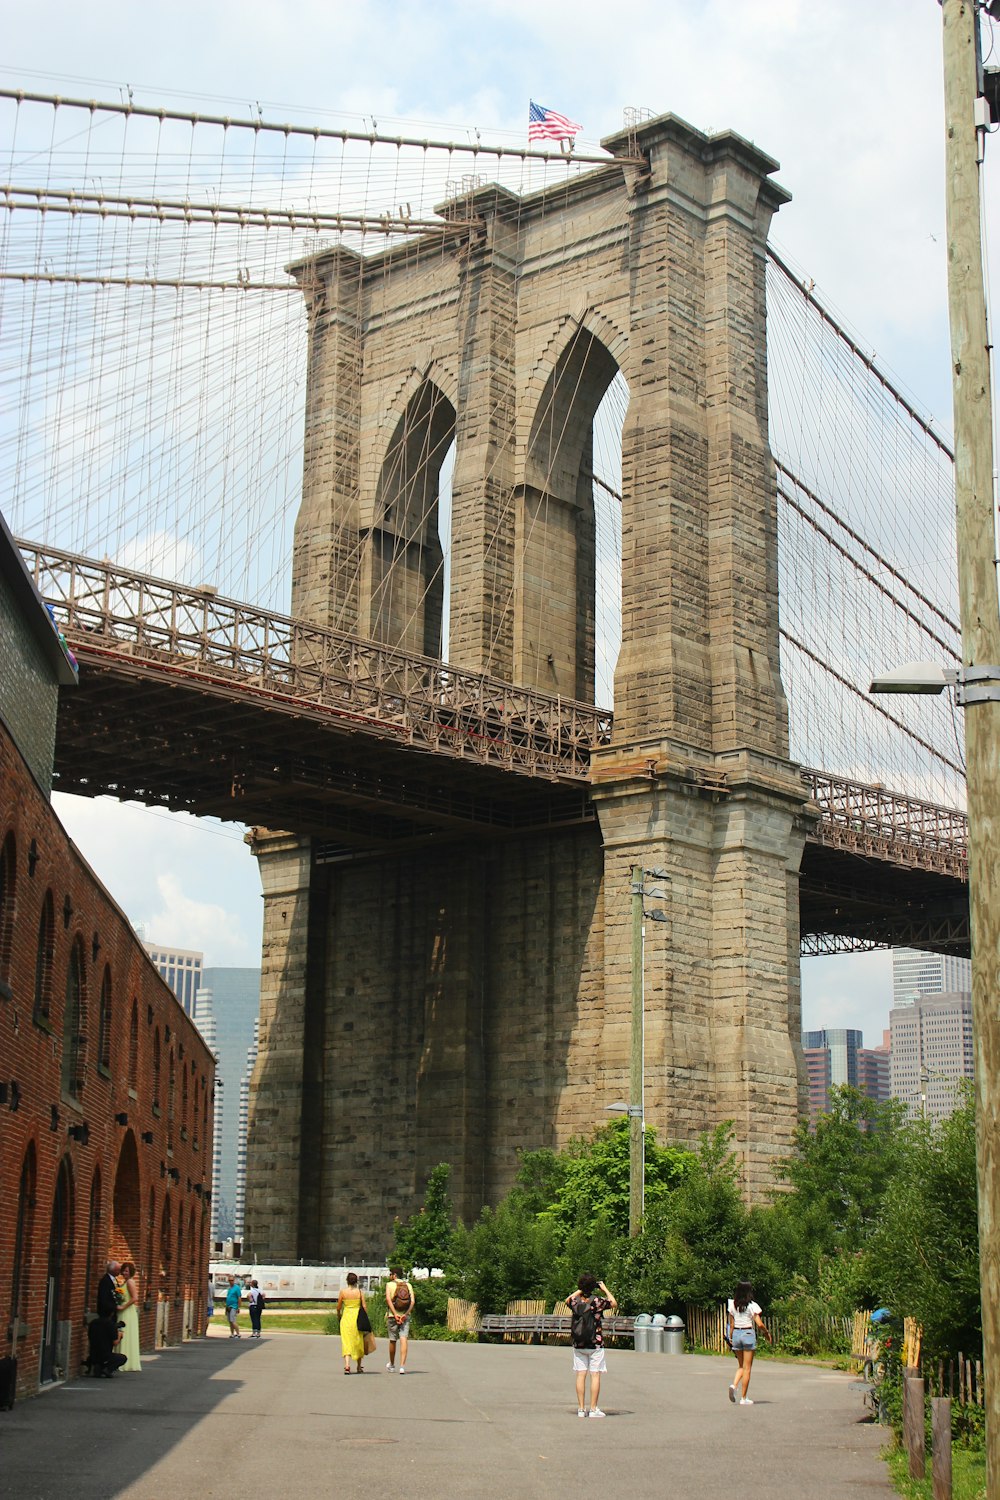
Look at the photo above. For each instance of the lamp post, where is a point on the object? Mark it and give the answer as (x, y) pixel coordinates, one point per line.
(635, 1107)
(637, 1122)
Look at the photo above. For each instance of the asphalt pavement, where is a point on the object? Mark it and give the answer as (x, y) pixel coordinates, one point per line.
(221, 1419)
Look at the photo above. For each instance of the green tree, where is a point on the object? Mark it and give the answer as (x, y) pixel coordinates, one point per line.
(592, 1184)
(506, 1254)
(841, 1173)
(706, 1226)
(425, 1239)
(924, 1257)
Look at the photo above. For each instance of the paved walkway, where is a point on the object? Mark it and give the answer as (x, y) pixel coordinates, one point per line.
(276, 1420)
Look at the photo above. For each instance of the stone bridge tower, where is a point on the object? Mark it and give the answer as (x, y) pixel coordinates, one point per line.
(461, 1001)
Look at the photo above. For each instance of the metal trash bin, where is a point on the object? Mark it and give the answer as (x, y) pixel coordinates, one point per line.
(640, 1333)
(656, 1333)
(673, 1335)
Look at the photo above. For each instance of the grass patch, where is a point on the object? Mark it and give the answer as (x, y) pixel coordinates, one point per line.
(968, 1476)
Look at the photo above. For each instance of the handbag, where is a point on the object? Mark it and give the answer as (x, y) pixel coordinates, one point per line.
(369, 1339)
(364, 1321)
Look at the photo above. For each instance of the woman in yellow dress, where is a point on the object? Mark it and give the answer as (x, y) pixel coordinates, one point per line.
(352, 1343)
(128, 1313)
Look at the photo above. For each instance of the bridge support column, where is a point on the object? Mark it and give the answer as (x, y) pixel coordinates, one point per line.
(278, 1147)
(325, 561)
(482, 526)
(722, 1013)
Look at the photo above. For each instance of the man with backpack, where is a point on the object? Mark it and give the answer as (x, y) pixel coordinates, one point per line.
(399, 1301)
(587, 1332)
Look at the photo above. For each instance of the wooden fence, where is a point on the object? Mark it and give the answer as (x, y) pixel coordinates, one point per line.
(463, 1317)
(706, 1327)
(960, 1378)
(523, 1307)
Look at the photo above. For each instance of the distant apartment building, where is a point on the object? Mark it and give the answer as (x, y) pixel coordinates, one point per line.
(232, 998)
(241, 1159)
(931, 1052)
(204, 1019)
(181, 968)
(837, 1056)
(915, 973)
(831, 1058)
(875, 1070)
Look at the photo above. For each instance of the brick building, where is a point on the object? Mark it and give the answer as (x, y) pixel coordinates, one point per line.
(106, 1087)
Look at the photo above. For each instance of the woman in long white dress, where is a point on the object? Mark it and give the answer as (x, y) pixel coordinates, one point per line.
(128, 1313)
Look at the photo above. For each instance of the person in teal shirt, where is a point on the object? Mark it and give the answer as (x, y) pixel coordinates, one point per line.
(233, 1307)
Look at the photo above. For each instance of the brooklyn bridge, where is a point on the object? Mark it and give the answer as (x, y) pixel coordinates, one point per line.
(602, 524)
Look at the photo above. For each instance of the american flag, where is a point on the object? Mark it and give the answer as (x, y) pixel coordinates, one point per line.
(545, 125)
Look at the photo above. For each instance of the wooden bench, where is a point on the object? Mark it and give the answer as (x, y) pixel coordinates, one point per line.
(548, 1325)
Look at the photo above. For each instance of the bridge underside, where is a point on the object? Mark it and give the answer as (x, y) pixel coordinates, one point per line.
(169, 739)
(359, 789)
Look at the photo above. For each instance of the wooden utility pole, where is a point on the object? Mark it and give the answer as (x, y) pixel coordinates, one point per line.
(980, 677)
(636, 1108)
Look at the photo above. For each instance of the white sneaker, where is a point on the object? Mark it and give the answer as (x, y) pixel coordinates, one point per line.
(402, 1369)
(745, 1401)
(390, 1367)
(595, 1411)
(581, 1412)
(732, 1393)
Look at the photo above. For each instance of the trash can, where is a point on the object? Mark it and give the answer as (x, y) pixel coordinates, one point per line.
(673, 1335)
(656, 1333)
(640, 1333)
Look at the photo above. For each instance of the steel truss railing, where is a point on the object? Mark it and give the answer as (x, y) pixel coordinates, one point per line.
(415, 700)
(884, 825)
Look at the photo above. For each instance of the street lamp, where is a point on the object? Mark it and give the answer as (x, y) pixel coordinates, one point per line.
(635, 1108)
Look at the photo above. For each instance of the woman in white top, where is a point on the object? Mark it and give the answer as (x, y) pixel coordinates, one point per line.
(744, 1321)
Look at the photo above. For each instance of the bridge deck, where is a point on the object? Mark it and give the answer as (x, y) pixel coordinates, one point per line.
(210, 706)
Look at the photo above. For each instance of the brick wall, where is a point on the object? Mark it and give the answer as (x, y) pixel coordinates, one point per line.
(28, 691)
(133, 1178)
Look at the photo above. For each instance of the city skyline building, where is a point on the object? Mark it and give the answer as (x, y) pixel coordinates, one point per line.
(204, 1019)
(931, 1052)
(831, 1058)
(234, 997)
(916, 973)
(241, 1159)
(182, 968)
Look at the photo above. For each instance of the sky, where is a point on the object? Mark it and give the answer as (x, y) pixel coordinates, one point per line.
(846, 95)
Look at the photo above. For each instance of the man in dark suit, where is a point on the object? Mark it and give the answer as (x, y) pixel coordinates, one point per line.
(107, 1292)
(102, 1331)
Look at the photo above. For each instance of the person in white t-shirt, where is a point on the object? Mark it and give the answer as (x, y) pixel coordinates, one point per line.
(744, 1320)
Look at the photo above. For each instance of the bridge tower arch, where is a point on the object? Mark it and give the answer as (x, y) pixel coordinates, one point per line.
(465, 998)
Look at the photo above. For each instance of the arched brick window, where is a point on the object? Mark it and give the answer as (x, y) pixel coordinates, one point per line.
(8, 891)
(23, 1235)
(156, 1071)
(184, 1101)
(95, 1258)
(151, 1236)
(43, 962)
(104, 1030)
(74, 1023)
(133, 1047)
(171, 1080)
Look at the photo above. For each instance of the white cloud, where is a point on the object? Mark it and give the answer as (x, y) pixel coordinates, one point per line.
(202, 925)
(848, 989)
(167, 870)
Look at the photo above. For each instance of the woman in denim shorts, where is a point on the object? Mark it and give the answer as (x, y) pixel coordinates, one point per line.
(744, 1318)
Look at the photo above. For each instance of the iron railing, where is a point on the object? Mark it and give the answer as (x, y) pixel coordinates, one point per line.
(884, 825)
(112, 612)
(104, 609)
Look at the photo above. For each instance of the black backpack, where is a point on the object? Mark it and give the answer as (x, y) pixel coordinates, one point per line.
(583, 1324)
